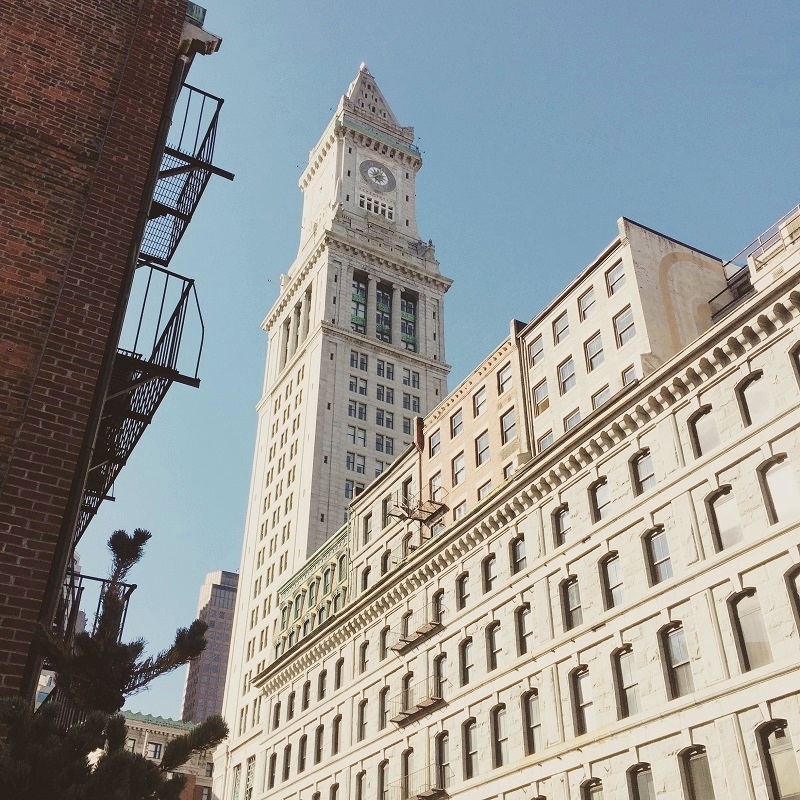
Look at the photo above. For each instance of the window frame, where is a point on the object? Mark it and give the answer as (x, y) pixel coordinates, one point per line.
(621, 334)
(637, 480)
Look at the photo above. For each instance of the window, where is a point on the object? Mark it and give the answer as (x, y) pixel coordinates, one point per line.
(536, 351)
(456, 424)
(780, 761)
(615, 279)
(437, 607)
(781, 493)
(154, 750)
(560, 328)
(290, 706)
(658, 558)
(696, 774)
(678, 665)
(624, 327)
(383, 648)
(407, 691)
(301, 754)
(508, 426)
(504, 379)
(435, 443)
(703, 431)
(386, 561)
(611, 572)
(489, 572)
(518, 558)
(276, 715)
(363, 657)
(458, 469)
(532, 722)
(594, 352)
(524, 629)
(440, 675)
(361, 782)
(600, 497)
(627, 685)
(442, 756)
(462, 590)
(407, 426)
(571, 601)
(643, 472)
(465, 661)
(541, 400)
(752, 640)
(273, 770)
(629, 375)
(500, 754)
(571, 420)
(562, 526)
(601, 397)
(318, 737)
(306, 697)
(470, 749)
(460, 510)
(366, 528)
(592, 789)
(582, 701)
(386, 509)
(361, 728)
(484, 489)
(755, 399)
(336, 734)
(322, 680)
(482, 449)
(544, 441)
(492, 645)
(383, 780)
(479, 402)
(508, 470)
(640, 780)
(566, 376)
(723, 516)
(436, 488)
(383, 708)
(287, 762)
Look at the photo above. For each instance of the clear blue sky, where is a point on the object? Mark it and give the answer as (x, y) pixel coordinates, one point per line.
(540, 125)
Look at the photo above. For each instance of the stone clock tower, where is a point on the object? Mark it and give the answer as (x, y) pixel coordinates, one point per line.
(356, 352)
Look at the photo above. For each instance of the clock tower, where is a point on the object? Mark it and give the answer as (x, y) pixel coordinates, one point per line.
(356, 352)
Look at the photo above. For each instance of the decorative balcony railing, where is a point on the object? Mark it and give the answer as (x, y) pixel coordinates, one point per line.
(416, 700)
(428, 783)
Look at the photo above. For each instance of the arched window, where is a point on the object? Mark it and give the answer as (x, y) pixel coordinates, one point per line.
(611, 579)
(301, 754)
(284, 617)
(312, 592)
(338, 674)
(677, 663)
(659, 562)
(500, 753)
(287, 762)
(406, 771)
(442, 755)
(338, 601)
(386, 561)
(492, 645)
(517, 556)
(462, 590)
(703, 431)
(322, 684)
(469, 731)
(643, 474)
(640, 782)
(793, 587)
(336, 734)
(600, 499)
(779, 487)
(405, 623)
(532, 722)
(465, 661)
(307, 625)
(440, 675)
(383, 708)
(276, 715)
(437, 607)
(361, 733)
(272, 771)
(407, 691)
(290, 705)
(383, 780)
(306, 695)
(489, 572)
(723, 516)
(290, 640)
(755, 399)
(342, 567)
(592, 789)
(696, 774)
(582, 703)
(561, 525)
(298, 605)
(361, 784)
(363, 657)
(384, 643)
(524, 629)
(627, 683)
(752, 640)
(780, 761)
(319, 734)
(571, 603)
(333, 794)
(407, 546)
(365, 579)
(327, 581)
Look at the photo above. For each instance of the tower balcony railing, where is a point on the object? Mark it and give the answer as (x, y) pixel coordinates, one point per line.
(415, 628)
(428, 783)
(415, 701)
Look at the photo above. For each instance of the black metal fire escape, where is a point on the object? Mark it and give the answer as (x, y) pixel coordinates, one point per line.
(163, 331)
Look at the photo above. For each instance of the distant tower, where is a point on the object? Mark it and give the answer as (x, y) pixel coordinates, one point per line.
(356, 352)
(205, 678)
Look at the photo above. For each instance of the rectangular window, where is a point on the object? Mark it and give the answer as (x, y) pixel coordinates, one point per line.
(658, 556)
(536, 351)
(628, 685)
(508, 426)
(615, 278)
(349, 489)
(560, 328)
(504, 379)
(483, 491)
(628, 375)
(386, 508)
(566, 376)
(598, 398)
(407, 426)
(460, 510)
(350, 461)
(436, 488)
(367, 528)
(379, 442)
(482, 449)
(594, 352)
(456, 424)
(541, 400)
(479, 402)
(571, 420)
(586, 304)
(389, 446)
(415, 404)
(573, 613)
(679, 665)
(434, 444)
(154, 750)
(543, 442)
(624, 327)
(458, 469)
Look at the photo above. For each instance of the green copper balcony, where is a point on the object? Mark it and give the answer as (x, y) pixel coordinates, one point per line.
(383, 328)
(382, 307)
(410, 338)
(358, 320)
(359, 298)
(408, 316)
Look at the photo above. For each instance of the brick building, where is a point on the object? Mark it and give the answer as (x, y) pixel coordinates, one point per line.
(88, 89)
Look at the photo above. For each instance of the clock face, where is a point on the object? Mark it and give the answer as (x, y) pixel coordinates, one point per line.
(377, 176)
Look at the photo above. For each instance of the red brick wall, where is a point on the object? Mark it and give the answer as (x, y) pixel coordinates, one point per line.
(82, 87)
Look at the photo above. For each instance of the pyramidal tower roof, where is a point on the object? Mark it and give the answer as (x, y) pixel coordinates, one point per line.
(368, 99)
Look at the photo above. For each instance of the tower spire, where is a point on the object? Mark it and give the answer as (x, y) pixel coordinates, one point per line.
(367, 100)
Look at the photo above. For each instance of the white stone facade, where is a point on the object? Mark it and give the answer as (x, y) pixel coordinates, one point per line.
(617, 615)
